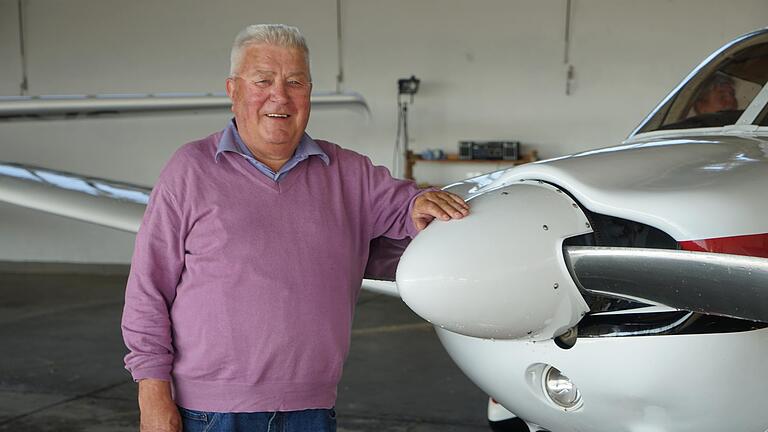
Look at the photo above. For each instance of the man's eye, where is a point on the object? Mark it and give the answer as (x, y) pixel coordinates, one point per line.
(262, 83)
(296, 83)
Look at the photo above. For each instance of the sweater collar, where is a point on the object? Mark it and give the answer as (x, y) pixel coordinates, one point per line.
(231, 141)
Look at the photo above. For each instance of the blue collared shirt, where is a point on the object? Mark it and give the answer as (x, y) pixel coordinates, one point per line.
(231, 141)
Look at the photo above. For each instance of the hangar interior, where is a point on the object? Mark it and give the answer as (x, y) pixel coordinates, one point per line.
(560, 76)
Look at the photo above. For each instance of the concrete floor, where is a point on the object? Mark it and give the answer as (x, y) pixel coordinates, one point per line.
(61, 363)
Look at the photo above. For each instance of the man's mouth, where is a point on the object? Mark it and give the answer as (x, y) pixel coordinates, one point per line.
(275, 115)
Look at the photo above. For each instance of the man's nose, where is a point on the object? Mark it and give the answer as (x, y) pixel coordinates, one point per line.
(279, 92)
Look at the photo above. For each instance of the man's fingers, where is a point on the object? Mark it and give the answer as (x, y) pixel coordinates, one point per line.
(456, 203)
(457, 199)
(441, 205)
(429, 210)
(448, 204)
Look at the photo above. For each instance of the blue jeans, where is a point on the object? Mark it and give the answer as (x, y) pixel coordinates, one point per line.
(312, 420)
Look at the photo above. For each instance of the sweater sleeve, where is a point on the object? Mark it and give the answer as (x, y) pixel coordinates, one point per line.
(391, 202)
(156, 266)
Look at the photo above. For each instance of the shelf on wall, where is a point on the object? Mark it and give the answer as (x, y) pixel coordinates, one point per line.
(412, 159)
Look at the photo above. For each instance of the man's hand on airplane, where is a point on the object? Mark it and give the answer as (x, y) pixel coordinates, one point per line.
(437, 205)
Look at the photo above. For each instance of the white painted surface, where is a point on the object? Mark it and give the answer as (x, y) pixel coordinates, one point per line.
(24, 233)
(674, 383)
(94, 205)
(689, 188)
(490, 69)
(498, 273)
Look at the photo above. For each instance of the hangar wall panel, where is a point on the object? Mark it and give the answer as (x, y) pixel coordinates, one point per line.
(10, 66)
(112, 46)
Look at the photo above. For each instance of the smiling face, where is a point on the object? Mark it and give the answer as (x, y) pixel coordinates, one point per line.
(270, 95)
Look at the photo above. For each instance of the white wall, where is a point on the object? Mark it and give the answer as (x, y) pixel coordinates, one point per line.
(490, 69)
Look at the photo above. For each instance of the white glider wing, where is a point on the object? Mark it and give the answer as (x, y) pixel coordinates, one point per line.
(121, 206)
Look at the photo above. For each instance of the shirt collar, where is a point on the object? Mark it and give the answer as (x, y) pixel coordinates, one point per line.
(231, 141)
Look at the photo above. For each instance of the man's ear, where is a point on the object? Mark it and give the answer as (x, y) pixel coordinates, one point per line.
(229, 86)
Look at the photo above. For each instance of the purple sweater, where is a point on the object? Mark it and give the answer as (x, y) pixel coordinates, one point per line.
(242, 290)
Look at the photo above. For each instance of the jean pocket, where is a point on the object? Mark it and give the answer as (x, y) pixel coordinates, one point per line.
(201, 421)
(194, 415)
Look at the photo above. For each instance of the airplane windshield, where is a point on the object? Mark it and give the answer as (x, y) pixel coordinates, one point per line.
(719, 92)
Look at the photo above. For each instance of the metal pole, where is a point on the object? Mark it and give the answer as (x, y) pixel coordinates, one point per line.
(340, 76)
(24, 86)
(567, 31)
(567, 49)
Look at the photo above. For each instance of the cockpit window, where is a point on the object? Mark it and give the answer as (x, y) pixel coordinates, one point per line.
(762, 118)
(719, 92)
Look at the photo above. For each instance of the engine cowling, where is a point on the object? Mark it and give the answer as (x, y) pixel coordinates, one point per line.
(499, 273)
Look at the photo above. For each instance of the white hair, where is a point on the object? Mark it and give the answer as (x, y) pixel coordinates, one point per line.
(274, 34)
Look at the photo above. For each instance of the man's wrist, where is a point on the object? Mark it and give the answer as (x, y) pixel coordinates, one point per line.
(154, 390)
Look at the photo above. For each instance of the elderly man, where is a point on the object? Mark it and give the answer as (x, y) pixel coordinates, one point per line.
(251, 253)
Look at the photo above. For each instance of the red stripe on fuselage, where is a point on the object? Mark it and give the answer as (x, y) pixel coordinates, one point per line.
(755, 245)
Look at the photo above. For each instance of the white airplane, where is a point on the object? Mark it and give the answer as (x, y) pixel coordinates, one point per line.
(623, 289)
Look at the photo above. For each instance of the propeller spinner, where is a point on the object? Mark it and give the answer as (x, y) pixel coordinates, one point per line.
(500, 272)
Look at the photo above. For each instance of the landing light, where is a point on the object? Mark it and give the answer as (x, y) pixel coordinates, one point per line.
(560, 390)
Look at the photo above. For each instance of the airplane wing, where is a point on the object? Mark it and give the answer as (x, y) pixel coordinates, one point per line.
(99, 201)
(121, 206)
(381, 287)
(45, 106)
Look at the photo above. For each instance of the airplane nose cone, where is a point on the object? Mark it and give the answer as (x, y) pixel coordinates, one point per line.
(499, 272)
